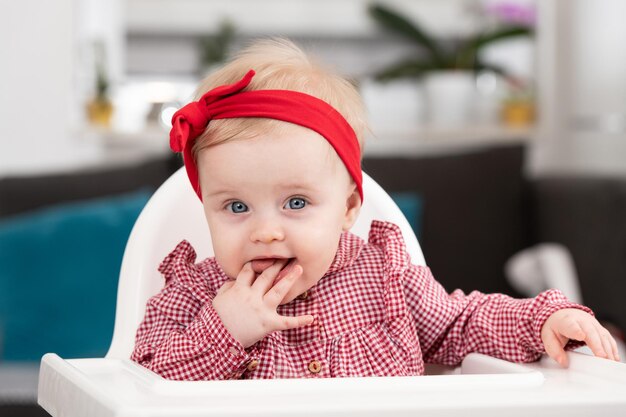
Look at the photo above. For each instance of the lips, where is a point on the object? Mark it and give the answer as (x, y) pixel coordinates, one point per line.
(261, 264)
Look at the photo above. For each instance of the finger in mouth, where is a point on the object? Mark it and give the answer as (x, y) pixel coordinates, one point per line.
(286, 269)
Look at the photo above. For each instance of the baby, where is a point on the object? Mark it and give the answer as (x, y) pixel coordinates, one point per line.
(272, 148)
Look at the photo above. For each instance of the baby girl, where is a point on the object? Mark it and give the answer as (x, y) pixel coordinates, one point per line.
(272, 147)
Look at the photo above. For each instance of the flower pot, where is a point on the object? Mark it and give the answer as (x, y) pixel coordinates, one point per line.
(99, 112)
(518, 113)
(393, 106)
(449, 97)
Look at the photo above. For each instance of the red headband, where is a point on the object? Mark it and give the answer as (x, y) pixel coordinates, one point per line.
(228, 101)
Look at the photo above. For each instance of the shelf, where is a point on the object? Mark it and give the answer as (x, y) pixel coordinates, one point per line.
(96, 148)
(382, 142)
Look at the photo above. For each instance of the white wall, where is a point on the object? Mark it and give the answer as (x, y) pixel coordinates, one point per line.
(47, 75)
(35, 81)
(291, 17)
(99, 20)
(582, 68)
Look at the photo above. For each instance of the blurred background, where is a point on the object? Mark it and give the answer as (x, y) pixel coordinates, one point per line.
(499, 127)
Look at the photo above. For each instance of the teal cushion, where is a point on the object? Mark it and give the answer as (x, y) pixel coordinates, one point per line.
(59, 269)
(410, 204)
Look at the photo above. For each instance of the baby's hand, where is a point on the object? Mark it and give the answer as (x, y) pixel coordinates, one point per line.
(247, 306)
(572, 323)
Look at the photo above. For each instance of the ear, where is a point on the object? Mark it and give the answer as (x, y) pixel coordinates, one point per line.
(353, 206)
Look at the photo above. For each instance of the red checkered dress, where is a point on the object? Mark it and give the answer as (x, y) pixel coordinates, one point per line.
(376, 315)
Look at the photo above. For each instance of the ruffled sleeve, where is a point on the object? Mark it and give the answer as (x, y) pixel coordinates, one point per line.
(181, 336)
(387, 237)
(179, 268)
(183, 254)
(450, 326)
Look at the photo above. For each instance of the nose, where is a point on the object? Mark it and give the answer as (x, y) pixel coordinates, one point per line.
(267, 230)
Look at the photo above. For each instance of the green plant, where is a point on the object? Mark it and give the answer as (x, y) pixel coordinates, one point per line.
(463, 55)
(102, 80)
(214, 48)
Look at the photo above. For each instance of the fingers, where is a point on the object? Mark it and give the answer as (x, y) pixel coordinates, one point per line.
(594, 335)
(285, 323)
(614, 349)
(601, 342)
(246, 275)
(277, 292)
(593, 339)
(574, 331)
(264, 281)
(553, 343)
(608, 343)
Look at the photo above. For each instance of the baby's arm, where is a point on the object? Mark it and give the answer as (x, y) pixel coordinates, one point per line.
(185, 339)
(182, 338)
(450, 326)
(572, 324)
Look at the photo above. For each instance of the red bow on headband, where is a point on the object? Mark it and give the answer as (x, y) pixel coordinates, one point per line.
(229, 101)
(190, 121)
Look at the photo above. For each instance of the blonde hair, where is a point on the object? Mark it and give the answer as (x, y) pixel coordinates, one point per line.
(279, 65)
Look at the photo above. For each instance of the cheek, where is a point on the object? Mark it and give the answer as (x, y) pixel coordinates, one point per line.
(324, 232)
(226, 247)
(228, 260)
(317, 248)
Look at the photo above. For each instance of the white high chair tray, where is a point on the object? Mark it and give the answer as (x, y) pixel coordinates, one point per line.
(485, 385)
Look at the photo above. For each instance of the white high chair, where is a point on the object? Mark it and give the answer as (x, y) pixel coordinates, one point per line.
(116, 386)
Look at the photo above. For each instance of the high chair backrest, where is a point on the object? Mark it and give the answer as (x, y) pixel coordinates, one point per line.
(175, 213)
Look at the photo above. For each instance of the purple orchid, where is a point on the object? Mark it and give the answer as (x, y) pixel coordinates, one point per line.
(513, 13)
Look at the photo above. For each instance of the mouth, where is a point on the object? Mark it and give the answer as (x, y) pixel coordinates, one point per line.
(286, 269)
(272, 258)
(260, 264)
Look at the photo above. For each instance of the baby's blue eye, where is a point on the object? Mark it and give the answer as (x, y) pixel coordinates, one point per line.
(237, 207)
(296, 203)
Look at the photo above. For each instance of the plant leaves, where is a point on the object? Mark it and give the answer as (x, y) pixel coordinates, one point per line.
(500, 34)
(393, 21)
(408, 68)
(466, 57)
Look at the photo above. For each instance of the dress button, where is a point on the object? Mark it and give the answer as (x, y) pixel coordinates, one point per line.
(315, 367)
(303, 296)
(253, 365)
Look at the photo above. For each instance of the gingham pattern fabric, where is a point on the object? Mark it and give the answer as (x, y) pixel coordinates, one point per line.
(375, 313)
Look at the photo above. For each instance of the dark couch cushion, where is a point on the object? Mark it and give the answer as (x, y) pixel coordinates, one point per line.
(473, 214)
(59, 270)
(21, 194)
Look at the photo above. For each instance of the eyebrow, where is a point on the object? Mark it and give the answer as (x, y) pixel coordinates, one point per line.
(296, 185)
(288, 186)
(217, 193)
